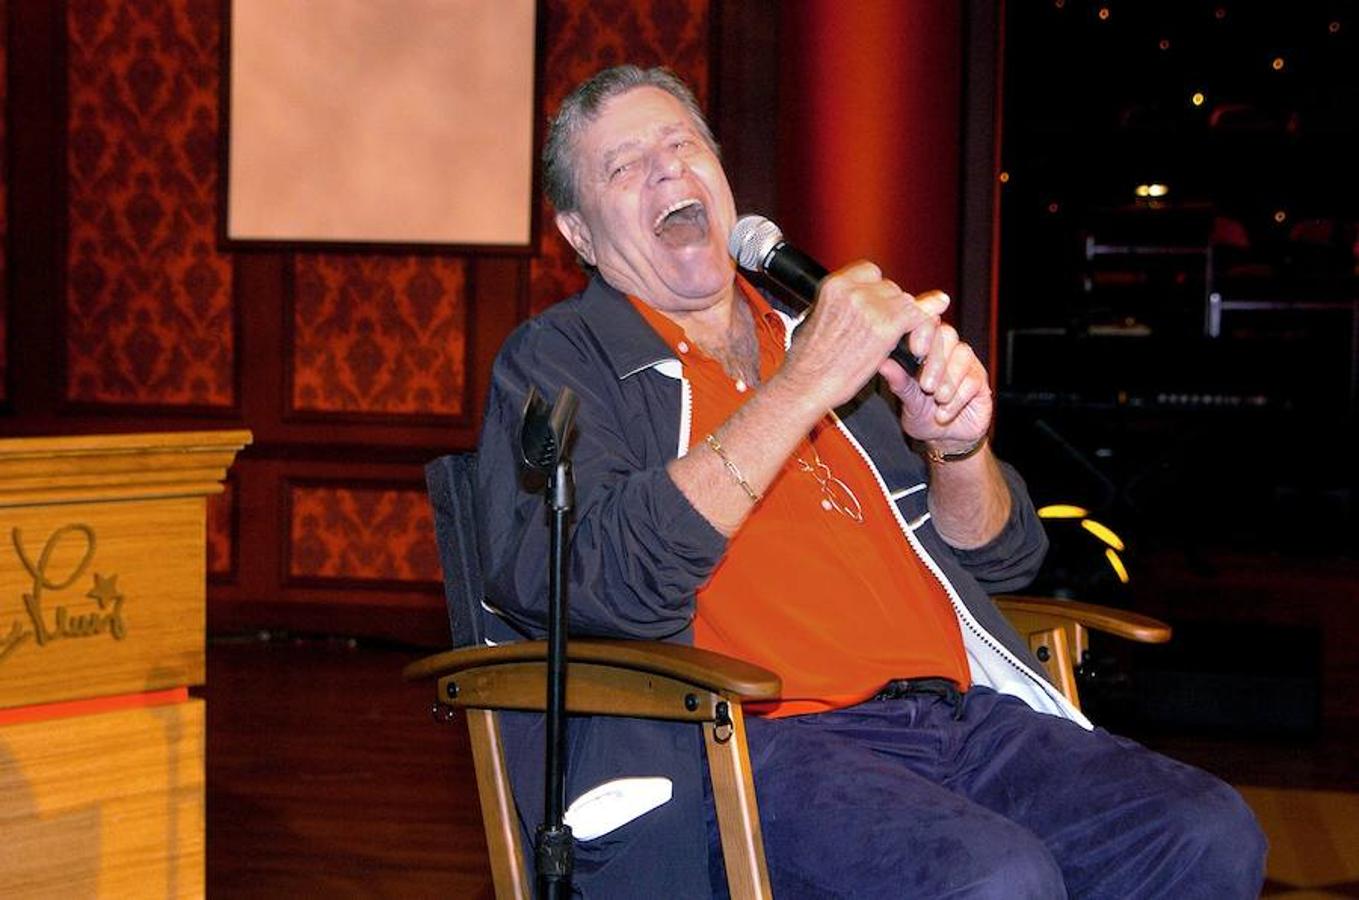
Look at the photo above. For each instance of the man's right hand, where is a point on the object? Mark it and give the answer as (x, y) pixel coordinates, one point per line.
(858, 319)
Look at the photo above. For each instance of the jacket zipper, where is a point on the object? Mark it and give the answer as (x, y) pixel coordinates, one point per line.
(960, 611)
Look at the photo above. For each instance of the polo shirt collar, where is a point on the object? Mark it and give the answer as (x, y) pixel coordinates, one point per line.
(629, 344)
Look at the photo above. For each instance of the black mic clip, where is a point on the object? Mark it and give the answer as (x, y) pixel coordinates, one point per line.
(543, 430)
(543, 435)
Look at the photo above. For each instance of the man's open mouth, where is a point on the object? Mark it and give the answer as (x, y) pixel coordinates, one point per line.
(682, 223)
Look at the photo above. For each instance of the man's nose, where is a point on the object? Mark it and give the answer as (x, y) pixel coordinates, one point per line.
(666, 163)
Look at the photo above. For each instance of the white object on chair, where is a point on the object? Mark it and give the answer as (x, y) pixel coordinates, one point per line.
(613, 804)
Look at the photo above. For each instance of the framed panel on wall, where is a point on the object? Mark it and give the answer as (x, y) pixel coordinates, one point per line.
(381, 122)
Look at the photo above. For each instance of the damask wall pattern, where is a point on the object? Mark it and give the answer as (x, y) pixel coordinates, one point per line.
(379, 334)
(148, 299)
(362, 534)
(583, 37)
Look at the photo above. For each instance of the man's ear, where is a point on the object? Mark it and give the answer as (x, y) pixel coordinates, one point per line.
(577, 234)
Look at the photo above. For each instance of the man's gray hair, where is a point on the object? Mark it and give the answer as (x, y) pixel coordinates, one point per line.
(582, 106)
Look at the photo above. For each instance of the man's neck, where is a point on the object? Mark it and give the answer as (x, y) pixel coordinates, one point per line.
(725, 331)
(715, 325)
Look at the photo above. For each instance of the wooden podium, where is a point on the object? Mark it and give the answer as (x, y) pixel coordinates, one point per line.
(102, 612)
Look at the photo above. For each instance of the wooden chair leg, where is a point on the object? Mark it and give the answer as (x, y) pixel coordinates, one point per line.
(738, 819)
(497, 807)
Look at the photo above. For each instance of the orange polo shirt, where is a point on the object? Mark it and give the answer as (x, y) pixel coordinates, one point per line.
(836, 607)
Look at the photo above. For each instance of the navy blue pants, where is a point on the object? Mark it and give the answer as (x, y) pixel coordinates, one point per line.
(911, 797)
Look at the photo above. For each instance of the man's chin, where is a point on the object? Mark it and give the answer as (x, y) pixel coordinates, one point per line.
(709, 281)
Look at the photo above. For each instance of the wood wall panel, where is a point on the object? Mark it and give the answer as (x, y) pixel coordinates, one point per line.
(379, 334)
(149, 318)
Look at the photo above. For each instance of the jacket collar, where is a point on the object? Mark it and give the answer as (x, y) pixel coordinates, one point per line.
(627, 342)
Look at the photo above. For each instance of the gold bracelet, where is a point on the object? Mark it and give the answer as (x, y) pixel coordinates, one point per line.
(936, 456)
(712, 442)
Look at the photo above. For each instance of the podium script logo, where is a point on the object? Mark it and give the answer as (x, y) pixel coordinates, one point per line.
(44, 621)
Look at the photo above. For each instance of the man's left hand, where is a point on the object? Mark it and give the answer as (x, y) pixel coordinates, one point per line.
(948, 404)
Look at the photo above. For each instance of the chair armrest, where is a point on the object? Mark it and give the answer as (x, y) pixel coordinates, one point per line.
(605, 677)
(1057, 632)
(1122, 623)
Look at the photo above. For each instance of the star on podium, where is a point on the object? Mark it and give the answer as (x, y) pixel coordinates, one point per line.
(105, 590)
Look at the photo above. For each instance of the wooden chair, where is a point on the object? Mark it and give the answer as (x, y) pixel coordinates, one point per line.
(649, 679)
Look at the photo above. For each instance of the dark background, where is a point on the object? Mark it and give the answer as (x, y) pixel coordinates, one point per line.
(1184, 366)
(1194, 353)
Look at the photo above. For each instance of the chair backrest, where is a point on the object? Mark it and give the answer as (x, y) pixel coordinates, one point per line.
(451, 481)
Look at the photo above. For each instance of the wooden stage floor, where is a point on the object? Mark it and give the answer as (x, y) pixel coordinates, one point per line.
(326, 776)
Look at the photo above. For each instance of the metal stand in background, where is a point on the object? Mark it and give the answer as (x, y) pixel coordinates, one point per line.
(543, 438)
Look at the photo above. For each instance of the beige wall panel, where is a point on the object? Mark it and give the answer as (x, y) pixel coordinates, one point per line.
(382, 120)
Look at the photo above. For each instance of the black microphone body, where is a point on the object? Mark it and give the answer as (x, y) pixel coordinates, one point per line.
(796, 272)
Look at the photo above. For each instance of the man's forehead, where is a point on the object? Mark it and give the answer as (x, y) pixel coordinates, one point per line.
(628, 142)
(636, 115)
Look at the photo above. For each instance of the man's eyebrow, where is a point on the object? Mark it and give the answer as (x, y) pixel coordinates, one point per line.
(616, 151)
(664, 131)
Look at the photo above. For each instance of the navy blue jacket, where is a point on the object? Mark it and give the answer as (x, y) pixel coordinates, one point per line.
(640, 551)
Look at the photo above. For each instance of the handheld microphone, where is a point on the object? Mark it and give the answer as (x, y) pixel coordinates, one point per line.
(757, 245)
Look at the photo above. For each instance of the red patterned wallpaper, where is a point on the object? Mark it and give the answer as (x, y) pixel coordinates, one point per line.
(361, 533)
(584, 36)
(377, 334)
(149, 317)
(221, 534)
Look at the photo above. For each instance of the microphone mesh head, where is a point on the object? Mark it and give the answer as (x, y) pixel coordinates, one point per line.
(752, 237)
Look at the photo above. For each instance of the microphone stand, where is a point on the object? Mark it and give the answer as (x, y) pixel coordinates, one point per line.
(543, 445)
